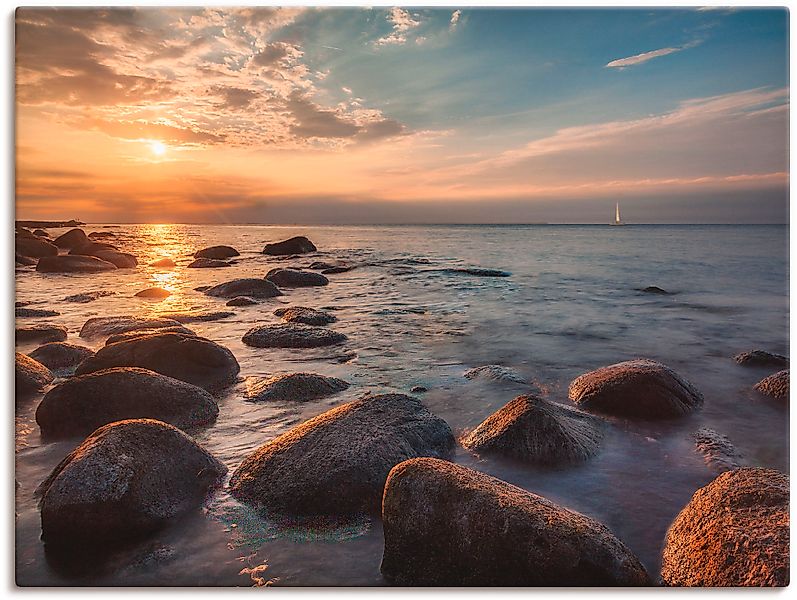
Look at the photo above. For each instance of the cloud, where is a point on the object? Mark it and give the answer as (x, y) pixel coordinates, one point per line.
(234, 97)
(271, 54)
(311, 121)
(402, 22)
(638, 59)
(142, 130)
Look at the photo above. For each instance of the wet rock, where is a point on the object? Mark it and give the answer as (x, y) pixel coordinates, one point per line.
(447, 525)
(126, 480)
(291, 335)
(535, 430)
(336, 270)
(163, 262)
(293, 278)
(652, 289)
(156, 292)
(73, 264)
(21, 303)
(88, 296)
(105, 326)
(22, 232)
(72, 239)
(320, 265)
(24, 260)
(304, 315)
(636, 388)
(495, 373)
(30, 375)
(241, 301)
(218, 252)
(734, 532)
(46, 332)
(48, 224)
(41, 233)
(776, 385)
(34, 312)
(101, 235)
(80, 405)
(478, 272)
(418, 389)
(254, 288)
(717, 450)
(337, 462)
(208, 263)
(294, 387)
(197, 317)
(202, 288)
(295, 245)
(92, 248)
(137, 333)
(122, 260)
(60, 357)
(761, 358)
(192, 359)
(34, 247)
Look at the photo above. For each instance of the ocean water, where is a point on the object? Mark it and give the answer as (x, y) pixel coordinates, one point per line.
(571, 305)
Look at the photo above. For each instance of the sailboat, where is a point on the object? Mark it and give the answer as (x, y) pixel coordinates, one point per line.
(617, 219)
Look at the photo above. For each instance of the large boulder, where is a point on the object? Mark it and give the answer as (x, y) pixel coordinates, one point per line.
(208, 263)
(30, 375)
(137, 333)
(254, 288)
(188, 358)
(636, 388)
(734, 532)
(761, 358)
(154, 292)
(291, 335)
(304, 315)
(61, 358)
(92, 248)
(294, 278)
(295, 245)
(72, 239)
(495, 373)
(46, 332)
(337, 462)
(73, 264)
(163, 262)
(41, 233)
(197, 316)
(126, 480)
(80, 405)
(217, 252)
(34, 247)
(122, 260)
(293, 387)
(447, 525)
(535, 430)
(105, 326)
(776, 385)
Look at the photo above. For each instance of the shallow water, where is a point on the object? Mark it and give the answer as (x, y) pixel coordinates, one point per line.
(571, 305)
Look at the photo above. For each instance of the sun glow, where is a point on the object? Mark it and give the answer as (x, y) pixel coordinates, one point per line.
(158, 148)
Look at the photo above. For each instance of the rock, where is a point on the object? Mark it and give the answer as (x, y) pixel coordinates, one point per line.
(295, 387)
(241, 301)
(126, 480)
(72, 239)
(34, 312)
(336, 270)
(636, 388)
(92, 248)
(478, 272)
(776, 385)
(155, 292)
(535, 430)
(21, 303)
(495, 373)
(41, 233)
(122, 260)
(734, 532)
(418, 389)
(202, 288)
(163, 262)
(291, 335)
(447, 525)
(80, 405)
(22, 232)
(761, 358)
(307, 316)
(293, 278)
(48, 224)
(192, 359)
(30, 375)
(100, 235)
(24, 260)
(217, 252)
(254, 288)
(320, 265)
(73, 264)
(197, 317)
(337, 462)
(295, 245)
(88, 296)
(208, 263)
(717, 450)
(105, 326)
(137, 333)
(34, 247)
(652, 289)
(46, 332)
(61, 358)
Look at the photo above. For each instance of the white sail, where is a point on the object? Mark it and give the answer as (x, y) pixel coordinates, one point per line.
(617, 219)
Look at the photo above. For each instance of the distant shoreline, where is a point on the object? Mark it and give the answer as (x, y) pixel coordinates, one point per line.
(59, 224)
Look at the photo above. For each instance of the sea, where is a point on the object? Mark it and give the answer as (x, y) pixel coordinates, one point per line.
(571, 304)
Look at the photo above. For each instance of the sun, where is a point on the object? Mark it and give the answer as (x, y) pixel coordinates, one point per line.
(158, 148)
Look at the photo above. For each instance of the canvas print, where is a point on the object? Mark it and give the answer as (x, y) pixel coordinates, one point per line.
(401, 296)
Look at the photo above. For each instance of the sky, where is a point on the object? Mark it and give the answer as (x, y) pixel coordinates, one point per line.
(402, 115)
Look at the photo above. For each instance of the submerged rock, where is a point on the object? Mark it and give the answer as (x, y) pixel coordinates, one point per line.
(241, 301)
(776, 385)
(88, 296)
(217, 252)
(761, 358)
(34, 247)
(734, 532)
(208, 263)
(105, 326)
(82, 404)
(447, 525)
(336, 270)
(717, 450)
(495, 373)
(126, 480)
(320, 265)
(163, 262)
(535, 430)
(24, 260)
(418, 389)
(337, 462)
(61, 358)
(198, 317)
(73, 264)
(72, 239)
(30, 375)
(294, 278)
(295, 245)
(192, 359)
(34, 312)
(652, 289)
(137, 333)
(254, 288)
(307, 316)
(636, 388)
(294, 387)
(155, 292)
(46, 332)
(478, 272)
(122, 260)
(291, 335)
